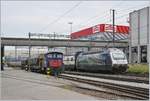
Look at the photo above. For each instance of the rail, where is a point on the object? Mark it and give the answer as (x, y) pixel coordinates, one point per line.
(120, 77)
(122, 90)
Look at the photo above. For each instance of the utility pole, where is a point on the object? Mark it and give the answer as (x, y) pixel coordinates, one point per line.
(70, 27)
(113, 28)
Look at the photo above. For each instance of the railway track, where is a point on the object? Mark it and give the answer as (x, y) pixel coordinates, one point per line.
(122, 91)
(111, 76)
(132, 92)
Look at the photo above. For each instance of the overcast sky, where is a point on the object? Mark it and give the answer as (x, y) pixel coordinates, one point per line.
(20, 17)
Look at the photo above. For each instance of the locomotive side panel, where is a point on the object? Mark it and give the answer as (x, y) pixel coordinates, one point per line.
(94, 62)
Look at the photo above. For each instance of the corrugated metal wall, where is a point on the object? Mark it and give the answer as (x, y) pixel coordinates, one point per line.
(139, 33)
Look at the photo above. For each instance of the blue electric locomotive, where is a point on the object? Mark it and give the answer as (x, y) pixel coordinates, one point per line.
(111, 59)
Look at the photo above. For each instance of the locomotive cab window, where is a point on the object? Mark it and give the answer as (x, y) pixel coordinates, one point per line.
(59, 56)
(54, 55)
(49, 56)
(118, 56)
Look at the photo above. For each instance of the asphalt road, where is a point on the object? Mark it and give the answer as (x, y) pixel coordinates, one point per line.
(22, 85)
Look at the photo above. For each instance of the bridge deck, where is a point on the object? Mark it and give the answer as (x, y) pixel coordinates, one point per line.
(59, 42)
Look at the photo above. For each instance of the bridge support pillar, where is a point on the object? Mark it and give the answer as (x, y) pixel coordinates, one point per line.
(89, 48)
(2, 55)
(139, 54)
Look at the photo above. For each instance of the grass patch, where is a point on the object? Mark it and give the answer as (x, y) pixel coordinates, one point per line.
(138, 68)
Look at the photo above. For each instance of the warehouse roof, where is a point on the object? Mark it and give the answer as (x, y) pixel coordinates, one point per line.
(102, 32)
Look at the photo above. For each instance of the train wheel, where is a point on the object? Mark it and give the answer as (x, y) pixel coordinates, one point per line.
(123, 70)
(115, 71)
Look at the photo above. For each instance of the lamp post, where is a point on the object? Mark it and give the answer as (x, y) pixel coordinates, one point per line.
(70, 26)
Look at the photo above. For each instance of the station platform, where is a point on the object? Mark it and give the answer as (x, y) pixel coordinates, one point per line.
(23, 85)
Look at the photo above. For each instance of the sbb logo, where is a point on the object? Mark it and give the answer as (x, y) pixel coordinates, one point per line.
(96, 29)
(109, 28)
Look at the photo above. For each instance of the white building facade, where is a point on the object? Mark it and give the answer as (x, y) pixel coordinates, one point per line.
(139, 37)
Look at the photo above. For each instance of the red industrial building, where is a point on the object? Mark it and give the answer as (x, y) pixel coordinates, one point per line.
(102, 32)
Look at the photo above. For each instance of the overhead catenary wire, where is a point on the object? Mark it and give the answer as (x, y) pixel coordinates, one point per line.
(124, 15)
(121, 16)
(87, 21)
(97, 16)
(92, 19)
(118, 18)
(57, 19)
(136, 28)
(108, 20)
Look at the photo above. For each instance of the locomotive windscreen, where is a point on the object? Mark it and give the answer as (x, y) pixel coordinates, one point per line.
(118, 56)
(56, 56)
